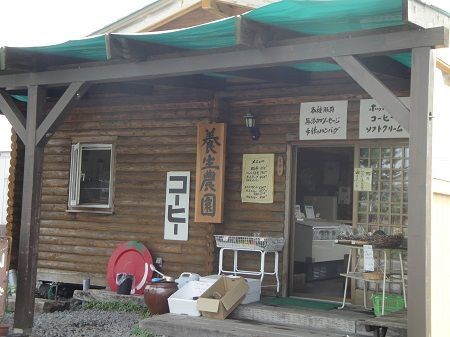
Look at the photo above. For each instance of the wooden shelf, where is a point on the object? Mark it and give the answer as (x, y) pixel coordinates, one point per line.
(359, 276)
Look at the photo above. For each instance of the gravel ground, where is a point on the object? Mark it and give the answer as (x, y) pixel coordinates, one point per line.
(83, 323)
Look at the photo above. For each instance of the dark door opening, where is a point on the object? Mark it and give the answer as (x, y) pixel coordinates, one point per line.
(324, 203)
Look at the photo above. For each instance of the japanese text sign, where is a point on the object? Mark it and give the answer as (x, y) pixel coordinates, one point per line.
(376, 122)
(210, 175)
(257, 178)
(323, 120)
(4, 261)
(176, 224)
(362, 180)
(369, 262)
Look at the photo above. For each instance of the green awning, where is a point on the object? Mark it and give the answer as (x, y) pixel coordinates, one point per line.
(308, 17)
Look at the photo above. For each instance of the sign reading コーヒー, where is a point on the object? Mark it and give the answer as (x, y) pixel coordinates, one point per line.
(376, 122)
(257, 178)
(177, 206)
(323, 120)
(210, 175)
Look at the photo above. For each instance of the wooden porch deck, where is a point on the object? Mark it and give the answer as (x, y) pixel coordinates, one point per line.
(263, 321)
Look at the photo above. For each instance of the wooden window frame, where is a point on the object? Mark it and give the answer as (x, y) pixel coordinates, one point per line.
(73, 203)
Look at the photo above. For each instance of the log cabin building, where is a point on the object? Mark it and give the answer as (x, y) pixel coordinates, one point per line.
(127, 111)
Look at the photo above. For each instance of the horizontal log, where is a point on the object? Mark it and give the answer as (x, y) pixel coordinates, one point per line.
(254, 216)
(137, 113)
(133, 124)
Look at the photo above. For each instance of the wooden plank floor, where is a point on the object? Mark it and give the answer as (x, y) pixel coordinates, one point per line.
(185, 326)
(396, 319)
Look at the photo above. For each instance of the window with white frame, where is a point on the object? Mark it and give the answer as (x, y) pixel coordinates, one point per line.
(91, 171)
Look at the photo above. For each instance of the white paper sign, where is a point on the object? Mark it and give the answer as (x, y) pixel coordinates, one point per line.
(376, 122)
(177, 206)
(323, 120)
(369, 262)
(362, 180)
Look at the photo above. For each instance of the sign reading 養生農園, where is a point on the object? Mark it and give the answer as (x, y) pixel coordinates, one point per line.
(257, 178)
(323, 120)
(376, 122)
(210, 175)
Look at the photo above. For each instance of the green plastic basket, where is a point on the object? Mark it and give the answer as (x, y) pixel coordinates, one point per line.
(392, 303)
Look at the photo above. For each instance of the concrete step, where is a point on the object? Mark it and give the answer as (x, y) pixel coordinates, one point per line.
(171, 325)
(339, 321)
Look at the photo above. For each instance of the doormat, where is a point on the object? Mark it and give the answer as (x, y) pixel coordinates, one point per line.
(298, 303)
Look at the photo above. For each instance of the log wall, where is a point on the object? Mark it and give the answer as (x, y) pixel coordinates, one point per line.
(156, 134)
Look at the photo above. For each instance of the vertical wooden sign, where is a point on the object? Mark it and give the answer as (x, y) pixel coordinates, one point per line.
(176, 222)
(210, 172)
(4, 262)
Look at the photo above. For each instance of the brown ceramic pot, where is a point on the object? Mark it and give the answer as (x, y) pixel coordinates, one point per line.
(156, 295)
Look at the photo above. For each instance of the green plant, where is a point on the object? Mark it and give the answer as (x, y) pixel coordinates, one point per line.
(137, 331)
(118, 306)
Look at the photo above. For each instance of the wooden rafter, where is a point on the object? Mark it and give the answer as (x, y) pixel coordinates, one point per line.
(373, 86)
(299, 50)
(121, 48)
(13, 114)
(18, 59)
(387, 66)
(255, 34)
(285, 75)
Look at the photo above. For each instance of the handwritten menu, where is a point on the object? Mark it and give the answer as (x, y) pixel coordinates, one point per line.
(376, 122)
(257, 178)
(362, 180)
(323, 120)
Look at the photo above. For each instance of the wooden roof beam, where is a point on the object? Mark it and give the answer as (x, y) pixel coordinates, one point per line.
(387, 66)
(275, 74)
(59, 111)
(259, 35)
(374, 87)
(122, 48)
(299, 50)
(17, 59)
(13, 114)
(202, 82)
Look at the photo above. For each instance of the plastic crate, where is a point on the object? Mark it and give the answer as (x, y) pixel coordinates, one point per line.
(392, 303)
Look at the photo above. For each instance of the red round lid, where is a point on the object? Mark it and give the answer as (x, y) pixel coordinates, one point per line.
(132, 258)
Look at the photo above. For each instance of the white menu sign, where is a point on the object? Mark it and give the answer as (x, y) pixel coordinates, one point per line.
(376, 122)
(323, 120)
(369, 262)
(177, 206)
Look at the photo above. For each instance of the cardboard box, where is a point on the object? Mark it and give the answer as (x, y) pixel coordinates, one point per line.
(219, 300)
(184, 301)
(254, 290)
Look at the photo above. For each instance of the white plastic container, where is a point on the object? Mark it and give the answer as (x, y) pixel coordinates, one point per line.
(183, 302)
(254, 291)
(186, 278)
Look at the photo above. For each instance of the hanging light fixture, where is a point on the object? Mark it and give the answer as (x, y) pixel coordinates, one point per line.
(250, 123)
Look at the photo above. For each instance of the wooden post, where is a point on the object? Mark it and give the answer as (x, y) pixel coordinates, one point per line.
(29, 228)
(420, 193)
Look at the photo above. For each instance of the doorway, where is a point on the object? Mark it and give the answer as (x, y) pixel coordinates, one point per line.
(323, 207)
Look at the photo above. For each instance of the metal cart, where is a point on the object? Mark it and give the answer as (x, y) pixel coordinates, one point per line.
(263, 245)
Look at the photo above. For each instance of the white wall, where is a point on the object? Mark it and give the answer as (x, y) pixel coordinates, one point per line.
(5, 148)
(440, 206)
(4, 174)
(5, 134)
